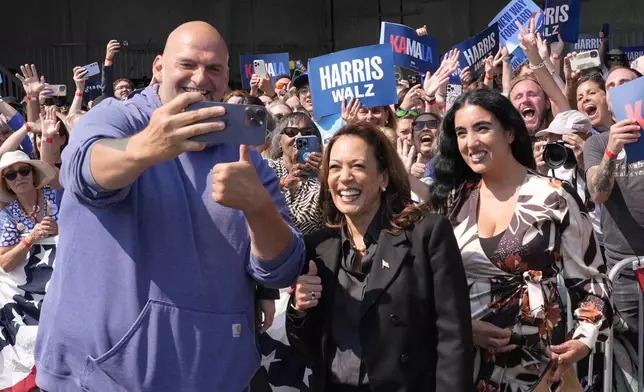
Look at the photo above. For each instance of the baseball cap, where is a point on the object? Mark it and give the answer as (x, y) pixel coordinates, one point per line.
(568, 122)
(301, 81)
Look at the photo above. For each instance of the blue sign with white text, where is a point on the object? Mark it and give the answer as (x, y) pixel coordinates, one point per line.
(633, 52)
(475, 50)
(521, 10)
(586, 42)
(276, 64)
(410, 50)
(562, 17)
(518, 59)
(627, 103)
(366, 73)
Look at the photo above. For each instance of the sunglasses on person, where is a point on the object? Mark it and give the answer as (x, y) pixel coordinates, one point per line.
(418, 126)
(280, 85)
(294, 131)
(11, 175)
(400, 113)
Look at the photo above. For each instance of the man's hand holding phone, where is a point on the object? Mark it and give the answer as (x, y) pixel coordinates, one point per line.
(170, 129)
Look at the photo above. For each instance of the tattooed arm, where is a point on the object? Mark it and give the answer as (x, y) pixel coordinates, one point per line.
(601, 179)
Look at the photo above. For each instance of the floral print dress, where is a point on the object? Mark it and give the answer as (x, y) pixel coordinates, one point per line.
(515, 286)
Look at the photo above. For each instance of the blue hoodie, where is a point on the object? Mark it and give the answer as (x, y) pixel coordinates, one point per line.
(153, 284)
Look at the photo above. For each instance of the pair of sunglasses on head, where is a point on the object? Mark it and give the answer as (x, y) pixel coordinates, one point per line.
(11, 175)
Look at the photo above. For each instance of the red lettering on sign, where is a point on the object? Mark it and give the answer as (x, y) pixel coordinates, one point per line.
(635, 113)
(393, 39)
(248, 71)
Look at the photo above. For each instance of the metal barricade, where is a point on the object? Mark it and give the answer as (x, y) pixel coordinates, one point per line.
(608, 351)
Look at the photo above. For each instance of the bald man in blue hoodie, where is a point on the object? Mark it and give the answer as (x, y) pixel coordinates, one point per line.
(162, 239)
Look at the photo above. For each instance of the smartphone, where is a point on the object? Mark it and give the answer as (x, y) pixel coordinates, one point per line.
(306, 145)
(260, 68)
(585, 60)
(92, 69)
(57, 90)
(245, 124)
(124, 44)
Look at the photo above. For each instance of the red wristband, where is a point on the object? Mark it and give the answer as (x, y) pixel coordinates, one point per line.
(283, 182)
(488, 78)
(28, 127)
(442, 107)
(611, 155)
(79, 94)
(26, 243)
(465, 87)
(29, 98)
(556, 56)
(292, 289)
(49, 140)
(108, 59)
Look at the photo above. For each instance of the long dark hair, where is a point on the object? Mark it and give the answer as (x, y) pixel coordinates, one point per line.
(450, 170)
(398, 210)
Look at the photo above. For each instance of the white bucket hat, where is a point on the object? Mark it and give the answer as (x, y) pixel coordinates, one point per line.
(43, 172)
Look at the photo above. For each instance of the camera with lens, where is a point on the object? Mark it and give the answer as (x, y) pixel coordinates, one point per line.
(255, 115)
(556, 155)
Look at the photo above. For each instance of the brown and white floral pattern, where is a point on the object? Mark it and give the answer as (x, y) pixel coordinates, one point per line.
(550, 233)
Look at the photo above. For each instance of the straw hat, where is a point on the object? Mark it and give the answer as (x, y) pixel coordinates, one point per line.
(43, 172)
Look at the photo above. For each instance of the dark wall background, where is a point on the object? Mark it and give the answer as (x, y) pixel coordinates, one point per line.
(57, 35)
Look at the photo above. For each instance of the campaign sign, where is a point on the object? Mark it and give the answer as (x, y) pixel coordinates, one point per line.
(562, 17)
(475, 50)
(521, 10)
(627, 103)
(276, 64)
(366, 73)
(633, 52)
(410, 50)
(518, 59)
(586, 42)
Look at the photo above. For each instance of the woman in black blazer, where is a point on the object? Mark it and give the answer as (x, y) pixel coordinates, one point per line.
(384, 305)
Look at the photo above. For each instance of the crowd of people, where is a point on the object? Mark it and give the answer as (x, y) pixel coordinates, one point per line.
(421, 249)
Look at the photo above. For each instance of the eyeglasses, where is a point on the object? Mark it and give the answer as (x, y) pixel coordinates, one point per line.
(293, 131)
(400, 113)
(418, 126)
(280, 86)
(24, 171)
(303, 91)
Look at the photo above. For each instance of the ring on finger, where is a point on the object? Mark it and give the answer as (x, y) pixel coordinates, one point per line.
(559, 359)
(312, 295)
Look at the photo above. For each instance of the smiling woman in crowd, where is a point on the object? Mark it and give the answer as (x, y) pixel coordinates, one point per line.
(517, 231)
(591, 100)
(298, 181)
(383, 306)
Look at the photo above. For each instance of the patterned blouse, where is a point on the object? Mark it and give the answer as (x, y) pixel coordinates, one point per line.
(304, 202)
(15, 224)
(516, 286)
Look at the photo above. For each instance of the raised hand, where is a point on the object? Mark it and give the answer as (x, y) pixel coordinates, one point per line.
(542, 45)
(113, 47)
(79, 75)
(406, 152)
(413, 93)
(32, 84)
(557, 48)
(419, 167)
(570, 75)
(50, 125)
(528, 41)
(308, 289)
(266, 85)
(466, 76)
(350, 109)
(621, 133)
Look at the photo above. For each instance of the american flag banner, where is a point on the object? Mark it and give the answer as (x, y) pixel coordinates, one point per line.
(22, 291)
(283, 367)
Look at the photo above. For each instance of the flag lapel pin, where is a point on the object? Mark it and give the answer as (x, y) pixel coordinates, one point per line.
(385, 264)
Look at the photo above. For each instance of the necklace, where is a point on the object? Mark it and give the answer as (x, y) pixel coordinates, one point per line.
(33, 215)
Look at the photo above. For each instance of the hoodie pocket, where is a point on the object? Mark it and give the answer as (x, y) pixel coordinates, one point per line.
(173, 348)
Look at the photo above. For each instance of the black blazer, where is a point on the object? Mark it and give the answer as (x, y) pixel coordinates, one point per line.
(415, 327)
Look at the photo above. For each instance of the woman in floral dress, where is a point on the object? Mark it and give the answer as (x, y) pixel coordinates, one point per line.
(517, 231)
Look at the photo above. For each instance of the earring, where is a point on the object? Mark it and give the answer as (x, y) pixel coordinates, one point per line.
(383, 189)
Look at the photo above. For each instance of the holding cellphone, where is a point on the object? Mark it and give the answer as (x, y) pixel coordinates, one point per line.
(260, 68)
(306, 145)
(57, 90)
(92, 69)
(245, 124)
(585, 60)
